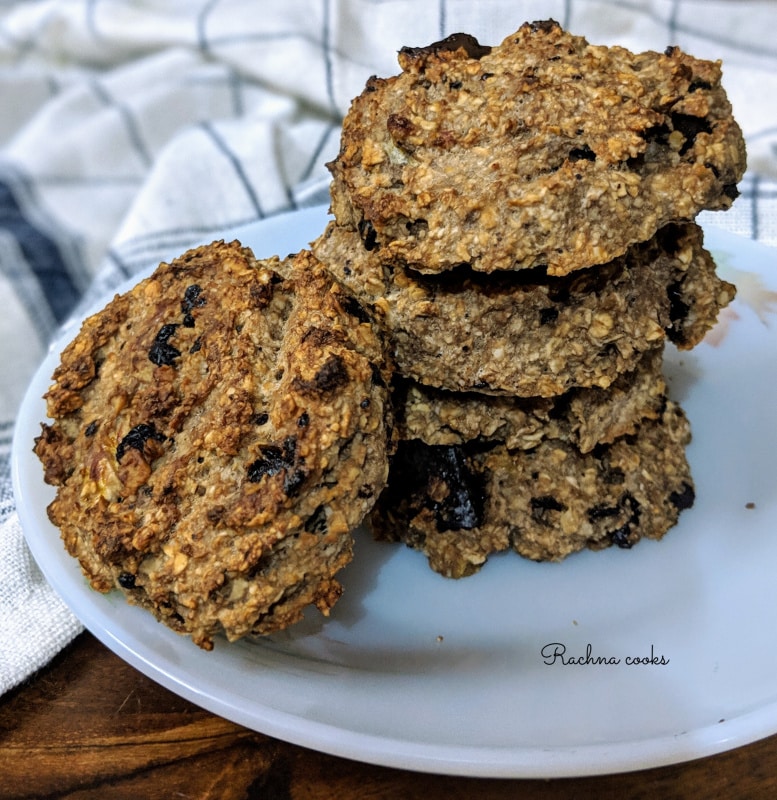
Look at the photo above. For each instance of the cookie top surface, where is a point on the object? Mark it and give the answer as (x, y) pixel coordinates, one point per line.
(529, 334)
(543, 150)
(217, 433)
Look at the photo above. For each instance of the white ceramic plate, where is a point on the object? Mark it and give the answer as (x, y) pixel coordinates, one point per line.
(416, 671)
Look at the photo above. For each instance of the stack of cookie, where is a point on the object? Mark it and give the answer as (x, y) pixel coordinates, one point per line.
(521, 218)
(513, 245)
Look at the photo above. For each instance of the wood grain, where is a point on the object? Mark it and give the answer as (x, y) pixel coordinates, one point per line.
(90, 726)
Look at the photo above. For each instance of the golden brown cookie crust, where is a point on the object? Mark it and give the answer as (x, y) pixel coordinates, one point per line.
(459, 504)
(528, 334)
(218, 432)
(545, 150)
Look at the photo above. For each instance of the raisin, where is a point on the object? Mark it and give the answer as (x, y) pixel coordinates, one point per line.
(697, 84)
(261, 294)
(195, 348)
(624, 536)
(332, 374)
(543, 26)
(400, 128)
(304, 420)
(540, 506)
(165, 332)
(442, 480)
(91, 429)
(602, 512)
(162, 353)
(621, 537)
(191, 299)
(547, 502)
(293, 481)
(261, 418)
(274, 460)
(137, 439)
(731, 191)
(126, 580)
(684, 498)
(270, 463)
(548, 315)
(455, 41)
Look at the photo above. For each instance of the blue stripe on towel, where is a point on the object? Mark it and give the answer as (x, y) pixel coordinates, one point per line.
(41, 254)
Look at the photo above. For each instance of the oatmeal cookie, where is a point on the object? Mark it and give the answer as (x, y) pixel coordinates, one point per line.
(218, 432)
(544, 150)
(526, 333)
(459, 503)
(583, 417)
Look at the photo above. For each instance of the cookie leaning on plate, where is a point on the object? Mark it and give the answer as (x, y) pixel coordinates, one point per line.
(544, 150)
(219, 431)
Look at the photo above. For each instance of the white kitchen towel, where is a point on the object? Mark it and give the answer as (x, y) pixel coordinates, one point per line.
(129, 131)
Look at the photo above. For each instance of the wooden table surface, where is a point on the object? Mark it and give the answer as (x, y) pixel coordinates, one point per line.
(91, 726)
